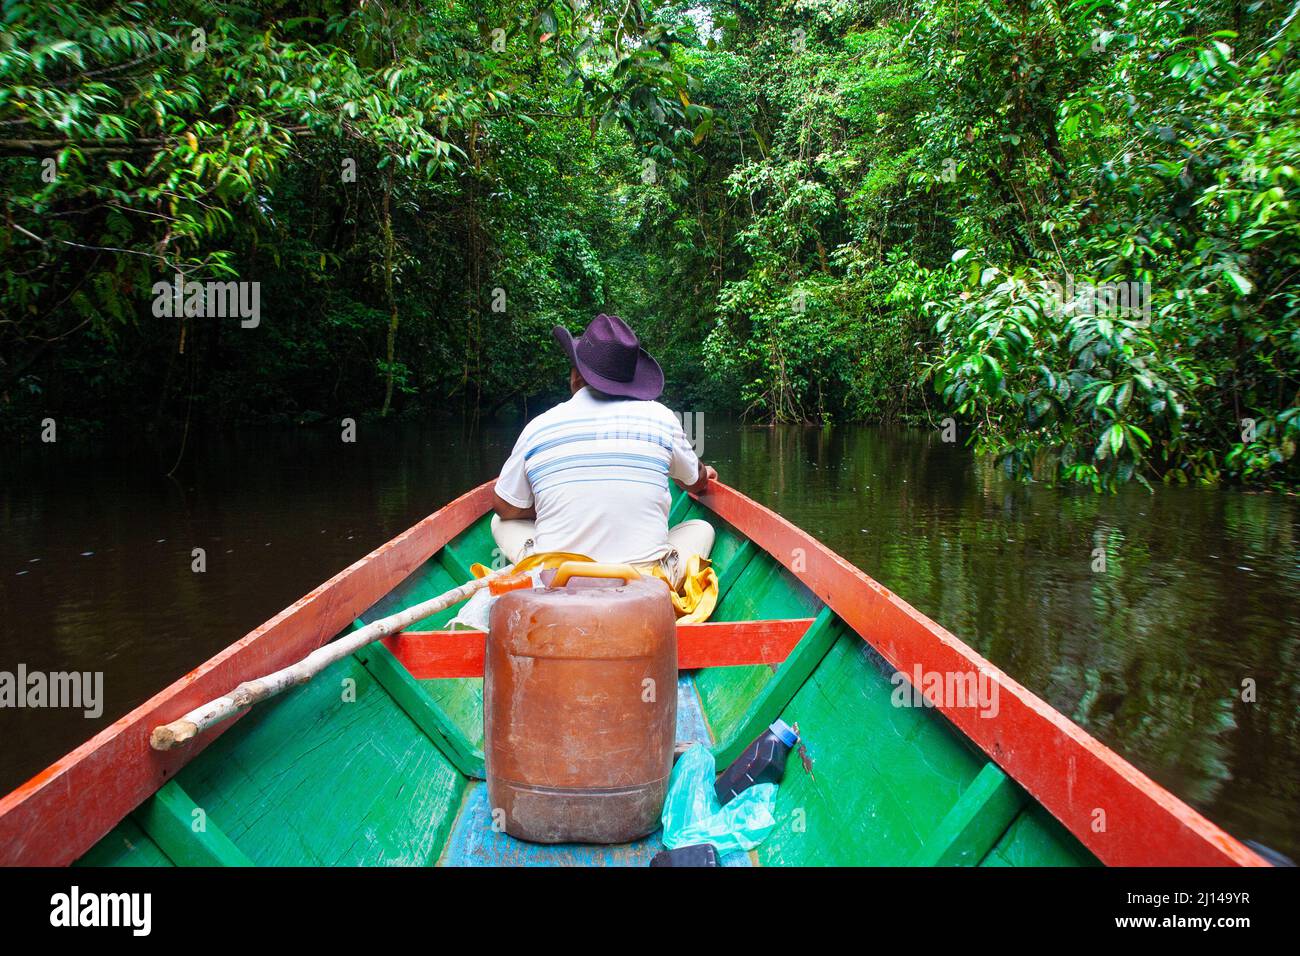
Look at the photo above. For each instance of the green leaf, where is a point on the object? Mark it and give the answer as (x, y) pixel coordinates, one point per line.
(1239, 282)
(1115, 436)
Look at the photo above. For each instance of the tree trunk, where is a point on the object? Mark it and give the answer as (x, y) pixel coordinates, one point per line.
(388, 293)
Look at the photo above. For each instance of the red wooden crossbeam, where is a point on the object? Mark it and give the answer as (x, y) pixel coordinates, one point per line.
(433, 654)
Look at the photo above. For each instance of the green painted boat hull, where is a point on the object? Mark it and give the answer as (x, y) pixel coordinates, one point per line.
(367, 766)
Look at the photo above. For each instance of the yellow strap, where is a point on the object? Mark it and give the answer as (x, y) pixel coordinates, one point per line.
(543, 559)
(693, 602)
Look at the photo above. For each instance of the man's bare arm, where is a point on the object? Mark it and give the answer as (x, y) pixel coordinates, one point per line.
(707, 474)
(509, 512)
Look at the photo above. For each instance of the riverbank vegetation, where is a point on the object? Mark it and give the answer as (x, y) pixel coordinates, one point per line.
(1070, 228)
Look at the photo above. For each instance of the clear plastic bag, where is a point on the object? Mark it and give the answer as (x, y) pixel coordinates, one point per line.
(476, 612)
(692, 814)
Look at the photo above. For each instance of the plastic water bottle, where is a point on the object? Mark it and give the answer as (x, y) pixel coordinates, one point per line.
(762, 762)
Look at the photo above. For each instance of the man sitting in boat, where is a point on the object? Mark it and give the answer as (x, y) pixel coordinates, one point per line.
(591, 475)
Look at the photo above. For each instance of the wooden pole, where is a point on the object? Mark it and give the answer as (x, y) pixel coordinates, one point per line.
(167, 736)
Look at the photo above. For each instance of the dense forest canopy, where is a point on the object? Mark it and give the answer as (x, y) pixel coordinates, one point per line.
(1067, 229)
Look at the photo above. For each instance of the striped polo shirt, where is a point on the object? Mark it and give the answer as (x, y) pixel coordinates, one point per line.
(597, 470)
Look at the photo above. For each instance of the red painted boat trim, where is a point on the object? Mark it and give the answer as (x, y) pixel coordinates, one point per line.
(59, 814)
(1069, 772)
(432, 655)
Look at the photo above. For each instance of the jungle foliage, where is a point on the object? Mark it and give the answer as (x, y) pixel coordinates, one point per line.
(813, 210)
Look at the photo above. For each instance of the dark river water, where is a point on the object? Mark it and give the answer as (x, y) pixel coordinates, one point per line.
(1153, 654)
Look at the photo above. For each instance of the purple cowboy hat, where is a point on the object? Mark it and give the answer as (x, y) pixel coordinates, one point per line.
(609, 357)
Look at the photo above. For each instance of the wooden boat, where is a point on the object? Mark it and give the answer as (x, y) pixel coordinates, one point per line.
(379, 759)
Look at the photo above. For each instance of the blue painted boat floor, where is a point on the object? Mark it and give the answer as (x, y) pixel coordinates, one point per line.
(691, 726)
(474, 842)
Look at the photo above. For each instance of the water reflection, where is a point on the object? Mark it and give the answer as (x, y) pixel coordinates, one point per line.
(1197, 595)
(1150, 654)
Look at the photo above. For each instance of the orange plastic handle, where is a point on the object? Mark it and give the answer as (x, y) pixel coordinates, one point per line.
(592, 569)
